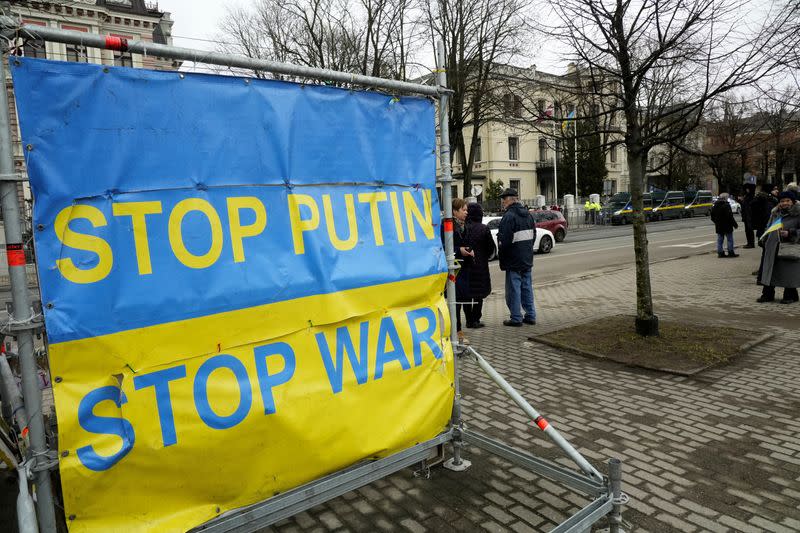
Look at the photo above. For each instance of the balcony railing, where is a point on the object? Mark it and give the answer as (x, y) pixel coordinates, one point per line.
(546, 163)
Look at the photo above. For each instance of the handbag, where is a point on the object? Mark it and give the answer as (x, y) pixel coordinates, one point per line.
(789, 251)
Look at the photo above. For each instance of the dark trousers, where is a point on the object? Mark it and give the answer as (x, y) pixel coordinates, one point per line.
(789, 293)
(473, 312)
(458, 317)
(748, 234)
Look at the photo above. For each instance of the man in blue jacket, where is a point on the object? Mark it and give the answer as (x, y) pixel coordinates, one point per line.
(515, 239)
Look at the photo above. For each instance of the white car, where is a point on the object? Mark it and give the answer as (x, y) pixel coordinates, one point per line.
(735, 206)
(544, 238)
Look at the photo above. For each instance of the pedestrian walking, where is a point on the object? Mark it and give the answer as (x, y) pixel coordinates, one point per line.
(780, 266)
(480, 280)
(515, 239)
(724, 224)
(747, 215)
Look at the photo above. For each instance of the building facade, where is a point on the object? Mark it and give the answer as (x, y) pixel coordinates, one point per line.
(519, 147)
(134, 20)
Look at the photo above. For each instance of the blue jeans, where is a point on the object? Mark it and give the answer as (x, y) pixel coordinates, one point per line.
(519, 292)
(728, 236)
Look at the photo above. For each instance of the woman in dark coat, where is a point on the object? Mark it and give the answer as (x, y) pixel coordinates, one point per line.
(480, 282)
(777, 270)
(464, 258)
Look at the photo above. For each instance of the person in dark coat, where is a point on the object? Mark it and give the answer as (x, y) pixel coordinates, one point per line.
(724, 223)
(515, 239)
(761, 207)
(777, 270)
(747, 215)
(480, 282)
(464, 256)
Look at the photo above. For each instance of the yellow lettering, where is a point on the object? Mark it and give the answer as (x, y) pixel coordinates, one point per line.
(352, 225)
(138, 211)
(298, 224)
(411, 208)
(372, 198)
(183, 208)
(81, 241)
(398, 223)
(239, 232)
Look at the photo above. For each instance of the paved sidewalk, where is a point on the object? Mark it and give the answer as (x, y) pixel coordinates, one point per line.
(716, 452)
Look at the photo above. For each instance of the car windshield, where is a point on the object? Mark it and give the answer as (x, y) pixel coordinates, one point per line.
(493, 224)
(618, 201)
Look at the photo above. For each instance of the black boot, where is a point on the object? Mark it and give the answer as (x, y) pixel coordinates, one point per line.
(767, 294)
(789, 296)
(720, 254)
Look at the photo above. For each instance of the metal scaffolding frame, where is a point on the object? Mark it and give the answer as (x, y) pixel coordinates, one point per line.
(605, 491)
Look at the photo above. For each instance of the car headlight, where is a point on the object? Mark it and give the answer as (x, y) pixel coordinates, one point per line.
(619, 212)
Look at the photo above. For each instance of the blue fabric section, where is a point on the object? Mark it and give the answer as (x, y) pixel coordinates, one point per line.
(104, 135)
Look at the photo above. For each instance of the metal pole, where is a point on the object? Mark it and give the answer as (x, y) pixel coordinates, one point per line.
(456, 463)
(22, 316)
(545, 426)
(575, 124)
(555, 164)
(213, 58)
(615, 480)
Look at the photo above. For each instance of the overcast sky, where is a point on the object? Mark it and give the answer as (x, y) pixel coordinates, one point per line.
(197, 19)
(194, 18)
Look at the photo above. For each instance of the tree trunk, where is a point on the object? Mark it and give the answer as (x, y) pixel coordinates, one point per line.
(646, 321)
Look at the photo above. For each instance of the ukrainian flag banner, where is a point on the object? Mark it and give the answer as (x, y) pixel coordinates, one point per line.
(242, 285)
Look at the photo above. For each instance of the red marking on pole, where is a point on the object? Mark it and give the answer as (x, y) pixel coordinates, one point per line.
(451, 278)
(542, 423)
(15, 254)
(448, 225)
(116, 43)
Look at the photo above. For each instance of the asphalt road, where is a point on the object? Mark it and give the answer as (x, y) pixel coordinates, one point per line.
(587, 252)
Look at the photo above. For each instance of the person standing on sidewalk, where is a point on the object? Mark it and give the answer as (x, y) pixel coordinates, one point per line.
(515, 239)
(464, 256)
(724, 223)
(747, 214)
(778, 267)
(480, 280)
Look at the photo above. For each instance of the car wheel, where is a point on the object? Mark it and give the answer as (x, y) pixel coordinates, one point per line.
(545, 245)
(560, 235)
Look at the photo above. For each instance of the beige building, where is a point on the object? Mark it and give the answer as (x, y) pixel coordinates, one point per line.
(519, 148)
(134, 20)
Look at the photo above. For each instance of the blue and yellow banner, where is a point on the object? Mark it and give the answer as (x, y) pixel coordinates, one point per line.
(241, 280)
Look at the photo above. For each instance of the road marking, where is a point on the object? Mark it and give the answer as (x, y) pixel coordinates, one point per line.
(629, 246)
(689, 245)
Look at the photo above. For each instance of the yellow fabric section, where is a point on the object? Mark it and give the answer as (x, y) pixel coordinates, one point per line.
(313, 430)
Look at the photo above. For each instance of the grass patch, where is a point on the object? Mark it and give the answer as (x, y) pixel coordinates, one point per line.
(681, 348)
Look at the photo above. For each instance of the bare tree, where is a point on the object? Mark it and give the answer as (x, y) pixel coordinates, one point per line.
(478, 36)
(779, 111)
(370, 37)
(731, 133)
(662, 61)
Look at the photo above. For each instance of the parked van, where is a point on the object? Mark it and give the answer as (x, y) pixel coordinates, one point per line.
(668, 205)
(698, 203)
(620, 210)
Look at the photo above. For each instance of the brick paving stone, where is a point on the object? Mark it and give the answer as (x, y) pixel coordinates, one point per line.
(692, 447)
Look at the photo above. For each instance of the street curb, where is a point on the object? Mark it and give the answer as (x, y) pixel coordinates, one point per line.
(688, 373)
(752, 344)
